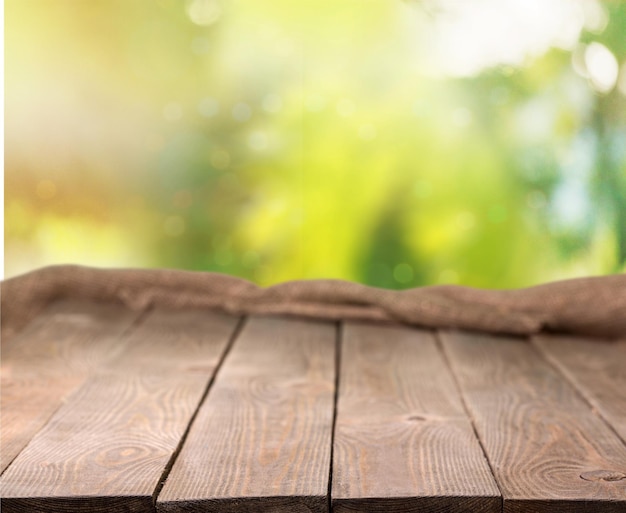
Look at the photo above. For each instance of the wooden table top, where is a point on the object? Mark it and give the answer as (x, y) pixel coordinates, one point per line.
(104, 409)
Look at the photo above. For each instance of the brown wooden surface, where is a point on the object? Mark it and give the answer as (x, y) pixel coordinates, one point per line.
(538, 433)
(114, 437)
(49, 360)
(262, 439)
(108, 411)
(598, 371)
(402, 439)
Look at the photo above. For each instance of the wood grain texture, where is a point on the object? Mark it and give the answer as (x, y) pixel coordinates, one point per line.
(402, 439)
(538, 433)
(596, 368)
(262, 439)
(109, 444)
(49, 359)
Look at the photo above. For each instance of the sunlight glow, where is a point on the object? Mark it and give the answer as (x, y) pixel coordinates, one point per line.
(469, 37)
(391, 142)
(602, 67)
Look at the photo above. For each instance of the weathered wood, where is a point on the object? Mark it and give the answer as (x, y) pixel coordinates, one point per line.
(49, 359)
(538, 434)
(110, 443)
(262, 439)
(111, 404)
(402, 439)
(597, 369)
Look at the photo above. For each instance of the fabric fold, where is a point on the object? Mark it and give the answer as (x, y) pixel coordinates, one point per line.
(594, 306)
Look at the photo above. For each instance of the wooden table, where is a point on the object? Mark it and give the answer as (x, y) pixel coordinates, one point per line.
(104, 409)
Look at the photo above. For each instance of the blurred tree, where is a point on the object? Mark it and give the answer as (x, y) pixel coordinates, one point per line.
(277, 140)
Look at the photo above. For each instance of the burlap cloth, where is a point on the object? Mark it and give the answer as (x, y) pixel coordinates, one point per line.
(586, 306)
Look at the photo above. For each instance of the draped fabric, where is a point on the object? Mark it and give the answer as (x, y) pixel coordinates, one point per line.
(594, 306)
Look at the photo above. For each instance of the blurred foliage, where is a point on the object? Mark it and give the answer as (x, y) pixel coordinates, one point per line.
(393, 143)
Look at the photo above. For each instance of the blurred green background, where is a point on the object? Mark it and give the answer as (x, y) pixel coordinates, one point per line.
(395, 143)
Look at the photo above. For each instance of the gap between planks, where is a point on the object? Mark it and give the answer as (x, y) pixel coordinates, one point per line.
(262, 439)
(403, 441)
(158, 375)
(50, 358)
(548, 450)
(338, 345)
(183, 438)
(530, 504)
(437, 335)
(595, 369)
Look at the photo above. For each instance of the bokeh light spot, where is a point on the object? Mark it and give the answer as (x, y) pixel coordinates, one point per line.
(423, 189)
(242, 112)
(203, 12)
(465, 220)
(461, 117)
(596, 18)
(403, 273)
(449, 276)
(208, 107)
(272, 103)
(250, 259)
(223, 256)
(602, 67)
(258, 140)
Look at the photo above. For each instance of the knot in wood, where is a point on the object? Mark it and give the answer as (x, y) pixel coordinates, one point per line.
(603, 475)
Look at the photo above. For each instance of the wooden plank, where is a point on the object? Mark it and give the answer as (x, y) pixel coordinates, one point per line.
(110, 444)
(402, 439)
(262, 439)
(596, 368)
(549, 451)
(49, 359)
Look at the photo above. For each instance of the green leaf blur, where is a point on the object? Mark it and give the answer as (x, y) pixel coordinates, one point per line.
(394, 143)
